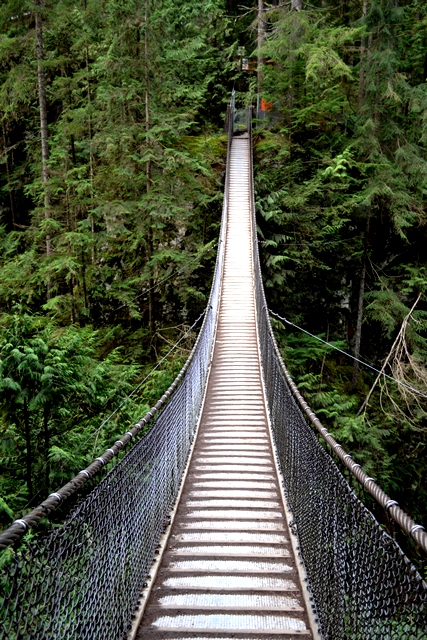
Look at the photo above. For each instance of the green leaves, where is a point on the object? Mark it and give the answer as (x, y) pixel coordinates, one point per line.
(135, 100)
(339, 165)
(323, 63)
(340, 191)
(54, 388)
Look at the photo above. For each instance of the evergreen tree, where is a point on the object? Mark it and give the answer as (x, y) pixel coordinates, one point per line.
(341, 177)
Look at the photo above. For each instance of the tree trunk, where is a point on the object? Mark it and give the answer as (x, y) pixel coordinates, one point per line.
(9, 187)
(260, 40)
(91, 171)
(204, 228)
(324, 356)
(46, 444)
(29, 455)
(73, 303)
(151, 300)
(358, 335)
(296, 5)
(359, 324)
(43, 121)
(73, 150)
(425, 68)
(84, 317)
(362, 59)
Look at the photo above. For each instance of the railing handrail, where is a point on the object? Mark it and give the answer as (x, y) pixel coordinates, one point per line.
(405, 522)
(362, 584)
(17, 530)
(19, 527)
(415, 531)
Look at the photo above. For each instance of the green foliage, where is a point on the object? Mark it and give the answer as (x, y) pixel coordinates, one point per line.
(136, 95)
(341, 182)
(52, 388)
(135, 92)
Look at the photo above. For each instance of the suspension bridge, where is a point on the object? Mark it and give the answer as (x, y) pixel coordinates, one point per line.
(227, 518)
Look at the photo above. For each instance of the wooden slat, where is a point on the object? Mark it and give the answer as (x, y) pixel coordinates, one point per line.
(234, 424)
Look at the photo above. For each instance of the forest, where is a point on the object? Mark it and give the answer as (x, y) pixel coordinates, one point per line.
(113, 157)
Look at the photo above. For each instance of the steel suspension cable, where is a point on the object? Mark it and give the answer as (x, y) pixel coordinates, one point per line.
(138, 386)
(157, 284)
(362, 584)
(20, 527)
(365, 364)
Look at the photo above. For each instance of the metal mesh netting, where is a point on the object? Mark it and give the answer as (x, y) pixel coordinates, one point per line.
(363, 585)
(83, 579)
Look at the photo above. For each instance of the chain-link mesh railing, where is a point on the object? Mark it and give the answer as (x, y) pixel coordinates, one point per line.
(83, 579)
(363, 585)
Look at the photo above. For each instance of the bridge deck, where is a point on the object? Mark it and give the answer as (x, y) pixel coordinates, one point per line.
(229, 569)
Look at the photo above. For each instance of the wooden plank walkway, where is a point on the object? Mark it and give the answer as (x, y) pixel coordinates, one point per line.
(229, 570)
